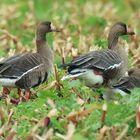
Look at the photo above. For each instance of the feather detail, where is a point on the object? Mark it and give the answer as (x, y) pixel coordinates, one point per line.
(71, 76)
(74, 73)
(8, 82)
(121, 92)
(88, 76)
(30, 70)
(114, 66)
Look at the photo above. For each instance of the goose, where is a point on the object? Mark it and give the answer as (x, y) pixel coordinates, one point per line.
(127, 83)
(102, 67)
(29, 70)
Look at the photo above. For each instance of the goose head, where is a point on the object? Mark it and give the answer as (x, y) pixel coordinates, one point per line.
(134, 71)
(43, 28)
(117, 30)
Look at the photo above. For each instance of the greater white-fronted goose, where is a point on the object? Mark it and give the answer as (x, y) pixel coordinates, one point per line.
(102, 67)
(129, 82)
(29, 70)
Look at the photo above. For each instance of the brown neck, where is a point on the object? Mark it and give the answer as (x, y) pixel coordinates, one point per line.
(41, 45)
(113, 40)
(112, 44)
(41, 42)
(41, 35)
(43, 49)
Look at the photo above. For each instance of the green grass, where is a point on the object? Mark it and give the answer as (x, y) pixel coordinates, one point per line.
(84, 22)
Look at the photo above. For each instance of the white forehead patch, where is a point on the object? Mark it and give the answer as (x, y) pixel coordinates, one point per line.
(52, 26)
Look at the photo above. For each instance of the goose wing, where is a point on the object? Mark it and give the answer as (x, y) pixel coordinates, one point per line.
(25, 71)
(104, 60)
(18, 65)
(11, 58)
(128, 83)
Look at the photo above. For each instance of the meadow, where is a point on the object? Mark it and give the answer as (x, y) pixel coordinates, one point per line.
(71, 111)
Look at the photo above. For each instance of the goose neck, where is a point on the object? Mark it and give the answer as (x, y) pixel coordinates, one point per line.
(112, 41)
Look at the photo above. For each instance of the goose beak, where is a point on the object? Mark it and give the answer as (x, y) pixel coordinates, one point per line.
(129, 31)
(54, 29)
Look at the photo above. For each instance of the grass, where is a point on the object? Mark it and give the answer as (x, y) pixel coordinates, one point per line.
(77, 114)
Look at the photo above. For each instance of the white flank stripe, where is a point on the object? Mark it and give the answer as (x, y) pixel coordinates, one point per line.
(11, 82)
(114, 66)
(29, 71)
(7, 82)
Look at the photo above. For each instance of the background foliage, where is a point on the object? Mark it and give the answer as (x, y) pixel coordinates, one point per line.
(77, 114)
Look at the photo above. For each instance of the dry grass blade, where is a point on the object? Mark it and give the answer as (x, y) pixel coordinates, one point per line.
(49, 86)
(134, 50)
(12, 133)
(10, 116)
(56, 74)
(84, 27)
(129, 118)
(48, 134)
(104, 107)
(102, 133)
(113, 133)
(122, 134)
(57, 84)
(38, 137)
(77, 93)
(32, 132)
(138, 120)
(43, 123)
(2, 115)
(46, 121)
(63, 55)
(3, 129)
(138, 63)
(70, 132)
(10, 36)
(77, 116)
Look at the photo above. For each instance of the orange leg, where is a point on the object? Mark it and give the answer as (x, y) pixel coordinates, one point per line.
(6, 90)
(58, 88)
(19, 93)
(27, 94)
(14, 101)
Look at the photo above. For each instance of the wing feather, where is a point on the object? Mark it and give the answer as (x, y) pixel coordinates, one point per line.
(16, 66)
(103, 60)
(128, 83)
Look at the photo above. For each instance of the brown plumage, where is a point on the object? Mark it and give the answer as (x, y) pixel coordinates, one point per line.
(110, 63)
(30, 69)
(129, 82)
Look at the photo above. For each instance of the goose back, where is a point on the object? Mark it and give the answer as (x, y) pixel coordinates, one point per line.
(129, 82)
(29, 70)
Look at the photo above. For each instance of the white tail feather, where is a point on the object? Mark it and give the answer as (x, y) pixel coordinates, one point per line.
(70, 76)
(74, 73)
(121, 92)
(7, 82)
